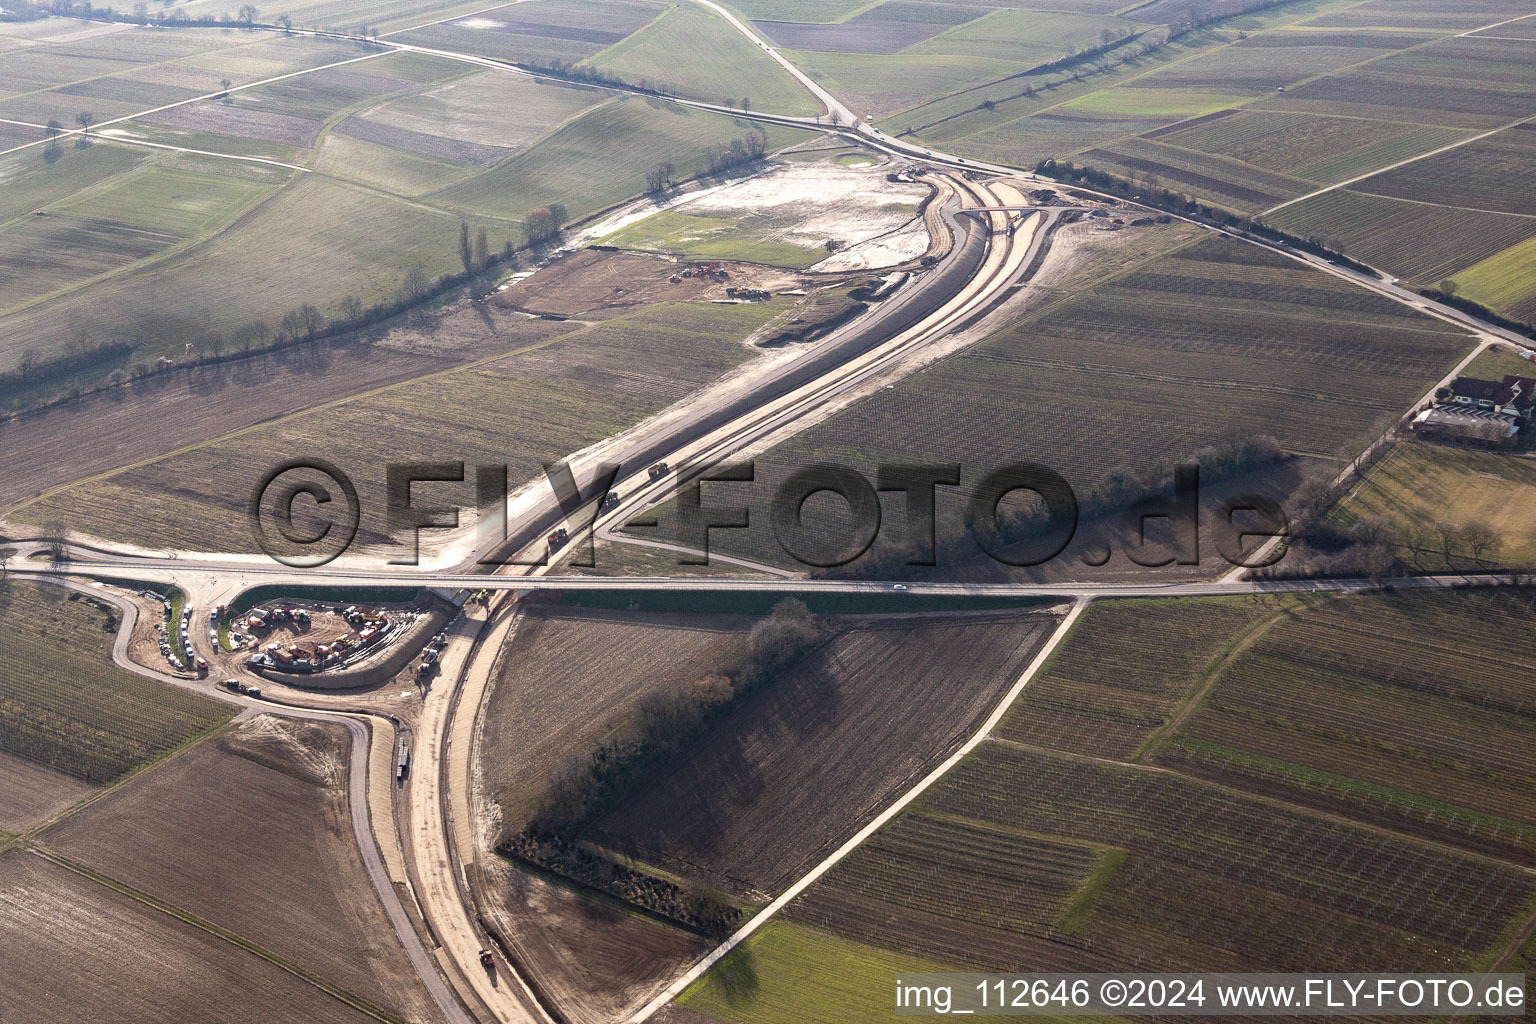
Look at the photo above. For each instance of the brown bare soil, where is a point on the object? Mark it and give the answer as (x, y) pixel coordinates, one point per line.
(593, 960)
(71, 949)
(597, 283)
(250, 831)
(569, 676)
(591, 280)
(812, 754)
(32, 793)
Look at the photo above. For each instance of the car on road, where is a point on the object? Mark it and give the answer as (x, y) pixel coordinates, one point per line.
(898, 586)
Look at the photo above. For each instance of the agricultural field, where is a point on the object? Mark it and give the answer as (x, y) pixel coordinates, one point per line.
(1411, 710)
(1146, 363)
(279, 867)
(1424, 14)
(884, 28)
(1320, 149)
(601, 159)
(551, 394)
(569, 677)
(1420, 243)
(1421, 484)
(105, 432)
(476, 120)
(1505, 281)
(131, 963)
(1137, 856)
(34, 794)
(792, 769)
(787, 973)
(722, 67)
(1126, 670)
(595, 960)
(65, 706)
(1493, 174)
(546, 32)
(347, 15)
(176, 254)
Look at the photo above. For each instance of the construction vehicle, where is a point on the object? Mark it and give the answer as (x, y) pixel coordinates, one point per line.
(488, 960)
(657, 471)
(609, 502)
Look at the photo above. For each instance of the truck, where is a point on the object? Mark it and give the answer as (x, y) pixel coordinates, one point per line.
(488, 960)
(610, 501)
(657, 471)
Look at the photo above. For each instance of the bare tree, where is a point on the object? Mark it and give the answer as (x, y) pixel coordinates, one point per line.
(53, 128)
(351, 308)
(247, 14)
(85, 119)
(415, 286)
(311, 320)
(482, 247)
(659, 178)
(1481, 538)
(466, 255)
(54, 542)
(286, 22)
(1375, 530)
(1450, 536)
(226, 84)
(290, 326)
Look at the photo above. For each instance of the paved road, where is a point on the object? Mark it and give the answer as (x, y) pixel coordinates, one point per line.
(173, 571)
(880, 820)
(357, 785)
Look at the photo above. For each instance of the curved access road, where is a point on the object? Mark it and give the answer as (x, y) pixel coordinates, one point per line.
(357, 727)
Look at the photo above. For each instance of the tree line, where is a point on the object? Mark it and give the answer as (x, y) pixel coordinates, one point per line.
(725, 156)
(662, 726)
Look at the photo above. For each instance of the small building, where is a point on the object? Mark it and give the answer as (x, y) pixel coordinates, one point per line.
(1452, 422)
(1513, 396)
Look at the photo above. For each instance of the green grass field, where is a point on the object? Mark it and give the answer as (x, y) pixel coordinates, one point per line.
(1497, 362)
(1170, 103)
(599, 159)
(1505, 281)
(65, 705)
(710, 238)
(789, 974)
(722, 63)
(1421, 484)
(382, 167)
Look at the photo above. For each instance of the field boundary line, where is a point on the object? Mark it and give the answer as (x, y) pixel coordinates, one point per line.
(128, 778)
(233, 938)
(222, 93)
(1210, 675)
(167, 256)
(1443, 206)
(880, 820)
(260, 424)
(1307, 810)
(1401, 163)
